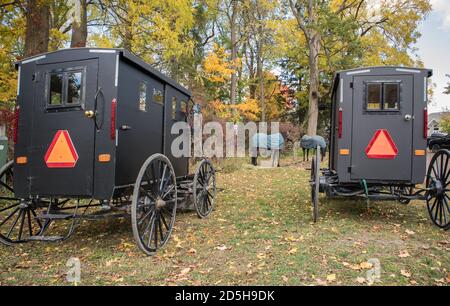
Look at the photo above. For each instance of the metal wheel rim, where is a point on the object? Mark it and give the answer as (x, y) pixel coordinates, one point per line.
(438, 205)
(152, 220)
(204, 189)
(18, 220)
(315, 176)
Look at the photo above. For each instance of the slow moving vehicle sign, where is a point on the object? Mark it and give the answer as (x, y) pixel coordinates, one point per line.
(61, 152)
(382, 146)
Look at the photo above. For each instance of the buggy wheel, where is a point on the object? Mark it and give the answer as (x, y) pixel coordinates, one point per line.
(154, 204)
(315, 170)
(18, 219)
(204, 190)
(438, 181)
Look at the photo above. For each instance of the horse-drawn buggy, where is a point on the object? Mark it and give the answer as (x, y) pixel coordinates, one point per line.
(93, 131)
(378, 142)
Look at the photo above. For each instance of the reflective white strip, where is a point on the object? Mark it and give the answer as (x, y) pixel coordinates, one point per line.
(102, 51)
(342, 91)
(117, 137)
(18, 80)
(357, 72)
(425, 90)
(33, 59)
(408, 70)
(116, 80)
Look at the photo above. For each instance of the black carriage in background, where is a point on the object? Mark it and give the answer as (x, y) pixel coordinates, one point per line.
(379, 140)
(94, 125)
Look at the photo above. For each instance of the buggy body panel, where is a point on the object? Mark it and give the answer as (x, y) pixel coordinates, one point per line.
(107, 75)
(403, 121)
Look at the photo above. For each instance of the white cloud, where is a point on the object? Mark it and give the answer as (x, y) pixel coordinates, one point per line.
(442, 8)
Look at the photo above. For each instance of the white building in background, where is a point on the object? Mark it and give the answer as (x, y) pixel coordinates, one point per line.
(434, 120)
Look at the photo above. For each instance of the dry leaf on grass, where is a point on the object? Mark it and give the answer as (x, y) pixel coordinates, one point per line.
(405, 273)
(331, 277)
(292, 251)
(360, 280)
(403, 254)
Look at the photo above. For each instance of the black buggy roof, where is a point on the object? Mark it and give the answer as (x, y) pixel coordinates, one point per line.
(125, 54)
(379, 70)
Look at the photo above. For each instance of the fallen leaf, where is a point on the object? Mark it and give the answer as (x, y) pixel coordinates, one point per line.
(366, 265)
(331, 277)
(405, 273)
(185, 271)
(409, 232)
(404, 254)
(222, 248)
(361, 280)
(292, 251)
(192, 251)
(321, 282)
(285, 279)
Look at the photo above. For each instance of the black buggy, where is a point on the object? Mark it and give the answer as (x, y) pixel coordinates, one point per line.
(93, 130)
(378, 142)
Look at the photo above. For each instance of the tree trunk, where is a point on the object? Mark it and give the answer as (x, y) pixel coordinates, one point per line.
(259, 64)
(79, 24)
(313, 38)
(37, 27)
(233, 39)
(313, 109)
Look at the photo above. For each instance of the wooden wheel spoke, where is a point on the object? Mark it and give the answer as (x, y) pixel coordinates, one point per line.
(150, 236)
(14, 224)
(9, 207)
(22, 220)
(6, 186)
(30, 227)
(9, 216)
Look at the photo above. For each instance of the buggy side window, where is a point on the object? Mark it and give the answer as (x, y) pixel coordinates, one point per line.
(142, 96)
(373, 96)
(183, 107)
(56, 89)
(174, 108)
(158, 96)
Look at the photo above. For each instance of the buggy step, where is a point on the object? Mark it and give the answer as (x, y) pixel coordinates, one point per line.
(46, 238)
(56, 216)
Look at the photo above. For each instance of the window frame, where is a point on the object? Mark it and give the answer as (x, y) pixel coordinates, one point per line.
(65, 88)
(382, 84)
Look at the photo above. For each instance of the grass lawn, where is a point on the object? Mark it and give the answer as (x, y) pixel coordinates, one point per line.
(259, 234)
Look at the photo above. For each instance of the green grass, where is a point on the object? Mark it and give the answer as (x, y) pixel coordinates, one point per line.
(259, 234)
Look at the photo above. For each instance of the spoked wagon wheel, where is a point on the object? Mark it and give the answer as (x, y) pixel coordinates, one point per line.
(18, 219)
(315, 170)
(154, 204)
(438, 181)
(204, 192)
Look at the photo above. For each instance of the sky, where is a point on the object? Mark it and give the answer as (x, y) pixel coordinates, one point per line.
(434, 50)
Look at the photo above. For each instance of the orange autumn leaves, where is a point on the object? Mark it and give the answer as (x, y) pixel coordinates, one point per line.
(217, 69)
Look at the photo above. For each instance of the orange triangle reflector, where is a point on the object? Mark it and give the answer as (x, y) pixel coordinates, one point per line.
(382, 146)
(61, 153)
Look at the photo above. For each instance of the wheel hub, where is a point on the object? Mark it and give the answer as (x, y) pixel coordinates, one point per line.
(160, 203)
(440, 191)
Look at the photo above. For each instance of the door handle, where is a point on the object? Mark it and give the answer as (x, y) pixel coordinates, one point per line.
(89, 113)
(408, 117)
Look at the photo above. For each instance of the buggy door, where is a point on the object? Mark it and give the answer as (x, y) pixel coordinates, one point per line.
(382, 128)
(63, 138)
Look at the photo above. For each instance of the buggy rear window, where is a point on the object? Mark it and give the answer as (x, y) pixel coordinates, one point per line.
(382, 96)
(65, 88)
